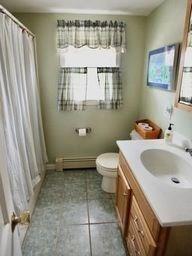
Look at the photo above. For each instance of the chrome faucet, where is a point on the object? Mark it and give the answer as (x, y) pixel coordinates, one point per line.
(189, 150)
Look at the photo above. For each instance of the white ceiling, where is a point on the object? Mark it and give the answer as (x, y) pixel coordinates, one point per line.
(131, 7)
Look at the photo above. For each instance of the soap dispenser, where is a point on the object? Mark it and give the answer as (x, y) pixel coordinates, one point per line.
(169, 134)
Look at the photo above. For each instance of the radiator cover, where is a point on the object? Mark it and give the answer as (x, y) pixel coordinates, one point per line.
(74, 163)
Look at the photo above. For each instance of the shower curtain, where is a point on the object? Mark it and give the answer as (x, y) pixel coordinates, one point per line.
(22, 123)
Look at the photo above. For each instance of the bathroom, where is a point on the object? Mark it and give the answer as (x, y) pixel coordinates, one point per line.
(67, 211)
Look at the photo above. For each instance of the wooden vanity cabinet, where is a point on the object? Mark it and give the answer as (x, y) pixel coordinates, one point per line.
(123, 195)
(140, 228)
(139, 225)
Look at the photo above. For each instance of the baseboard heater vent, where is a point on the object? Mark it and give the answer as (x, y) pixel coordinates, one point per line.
(74, 163)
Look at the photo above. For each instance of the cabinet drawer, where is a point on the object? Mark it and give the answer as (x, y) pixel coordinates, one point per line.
(134, 244)
(147, 212)
(142, 229)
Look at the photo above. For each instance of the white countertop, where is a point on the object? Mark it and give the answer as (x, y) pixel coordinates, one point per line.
(172, 205)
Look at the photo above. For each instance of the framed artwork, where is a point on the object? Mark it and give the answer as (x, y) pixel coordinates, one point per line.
(162, 67)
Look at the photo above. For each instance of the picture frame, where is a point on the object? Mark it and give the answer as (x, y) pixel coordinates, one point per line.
(162, 67)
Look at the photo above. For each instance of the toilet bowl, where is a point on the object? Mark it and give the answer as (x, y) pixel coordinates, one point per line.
(107, 166)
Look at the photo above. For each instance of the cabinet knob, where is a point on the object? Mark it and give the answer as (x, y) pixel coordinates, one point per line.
(140, 231)
(134, 246)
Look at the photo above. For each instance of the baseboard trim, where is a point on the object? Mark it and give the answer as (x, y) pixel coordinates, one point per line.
(50, 166)
(75, 163)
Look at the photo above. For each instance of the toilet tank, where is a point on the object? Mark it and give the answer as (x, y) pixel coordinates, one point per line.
(135, 135)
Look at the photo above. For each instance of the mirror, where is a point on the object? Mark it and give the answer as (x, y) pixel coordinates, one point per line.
(184, 86)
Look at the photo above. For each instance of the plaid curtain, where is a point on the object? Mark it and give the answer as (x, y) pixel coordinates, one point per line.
(93, 34)
(110, 83)
(72, 89)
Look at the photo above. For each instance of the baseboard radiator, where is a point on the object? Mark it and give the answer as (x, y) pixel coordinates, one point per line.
(74, 163)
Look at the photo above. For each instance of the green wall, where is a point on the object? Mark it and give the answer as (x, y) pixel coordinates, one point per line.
(107, 126)
(164, 26)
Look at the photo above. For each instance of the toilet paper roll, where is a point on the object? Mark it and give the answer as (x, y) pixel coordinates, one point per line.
(149, 128)
(82, 132)
(143, 125)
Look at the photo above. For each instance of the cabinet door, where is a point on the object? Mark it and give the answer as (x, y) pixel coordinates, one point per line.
(146, 210)
(123, 194)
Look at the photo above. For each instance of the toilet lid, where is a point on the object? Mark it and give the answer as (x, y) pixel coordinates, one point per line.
(108, 160)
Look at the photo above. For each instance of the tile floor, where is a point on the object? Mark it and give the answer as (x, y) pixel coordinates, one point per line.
(74, 217)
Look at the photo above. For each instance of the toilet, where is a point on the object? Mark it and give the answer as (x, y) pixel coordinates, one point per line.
(106, 165)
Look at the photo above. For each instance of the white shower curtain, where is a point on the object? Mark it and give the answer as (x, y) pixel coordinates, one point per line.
(19, 100)
(30, 64)
(34, 101)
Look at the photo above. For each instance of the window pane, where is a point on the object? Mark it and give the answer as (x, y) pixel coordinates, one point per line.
(86, 57)
(78, 83)
(94, 92)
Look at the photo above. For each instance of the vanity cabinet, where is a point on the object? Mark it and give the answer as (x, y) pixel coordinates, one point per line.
(140, 228)
(123, 195)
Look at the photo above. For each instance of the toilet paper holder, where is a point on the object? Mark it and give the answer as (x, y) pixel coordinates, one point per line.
(88, 130)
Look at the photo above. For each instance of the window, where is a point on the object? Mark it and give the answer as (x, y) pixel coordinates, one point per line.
(90, 58)
(89, 54)
(87, 57)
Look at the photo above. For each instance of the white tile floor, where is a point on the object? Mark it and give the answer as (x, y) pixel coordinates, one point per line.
(74, 217)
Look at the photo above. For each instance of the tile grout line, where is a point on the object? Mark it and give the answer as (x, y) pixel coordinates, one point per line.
(104, 222)
(90, 244)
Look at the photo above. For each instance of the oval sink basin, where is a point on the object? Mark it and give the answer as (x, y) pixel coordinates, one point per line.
(168, 167)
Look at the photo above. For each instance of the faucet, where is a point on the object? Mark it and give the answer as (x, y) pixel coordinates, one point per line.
(189, 150)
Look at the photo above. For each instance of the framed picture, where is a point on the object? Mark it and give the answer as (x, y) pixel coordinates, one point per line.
(162, 67)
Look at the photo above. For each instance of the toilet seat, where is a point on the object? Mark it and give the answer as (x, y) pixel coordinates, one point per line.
(106, 169)
(108, 161)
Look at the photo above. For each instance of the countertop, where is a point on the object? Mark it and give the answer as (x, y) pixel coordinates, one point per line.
(172, 205)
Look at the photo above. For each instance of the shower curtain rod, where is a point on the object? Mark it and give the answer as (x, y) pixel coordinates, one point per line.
(3, 10)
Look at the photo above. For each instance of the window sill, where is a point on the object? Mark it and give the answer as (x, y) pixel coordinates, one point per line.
(92, 103)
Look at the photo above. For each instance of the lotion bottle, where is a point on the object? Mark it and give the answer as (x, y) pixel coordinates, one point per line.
(169, 134)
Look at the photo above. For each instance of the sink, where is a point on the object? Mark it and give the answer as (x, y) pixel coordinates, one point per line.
(168, 167)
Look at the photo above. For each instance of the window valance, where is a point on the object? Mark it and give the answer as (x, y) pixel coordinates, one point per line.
(94, 34)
